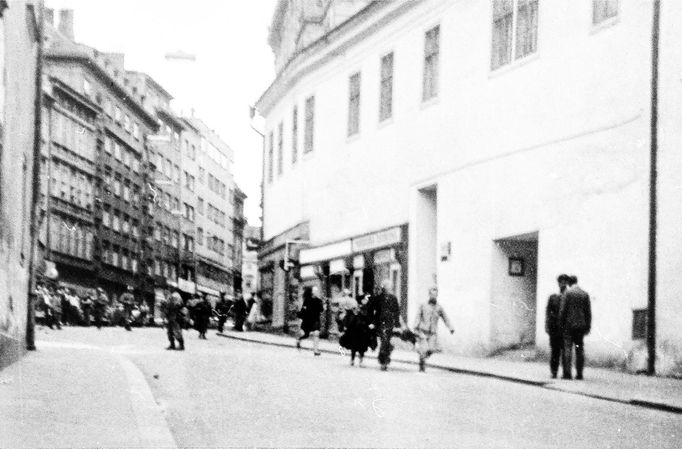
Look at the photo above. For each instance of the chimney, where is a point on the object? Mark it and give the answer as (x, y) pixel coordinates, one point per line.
(66, 23)
(49, 16)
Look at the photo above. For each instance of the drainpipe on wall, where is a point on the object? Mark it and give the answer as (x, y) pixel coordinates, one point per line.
(653, 192)
(37, 137)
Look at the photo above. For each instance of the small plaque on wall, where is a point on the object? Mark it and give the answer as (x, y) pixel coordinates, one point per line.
(445, 250)
(517, 266)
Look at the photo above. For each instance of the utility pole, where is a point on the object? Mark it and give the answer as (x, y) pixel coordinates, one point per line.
(38, 10)
(653, 192)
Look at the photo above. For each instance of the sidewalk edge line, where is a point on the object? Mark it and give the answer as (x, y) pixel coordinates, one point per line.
(546, 385)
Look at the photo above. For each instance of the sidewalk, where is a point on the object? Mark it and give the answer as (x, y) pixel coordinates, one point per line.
(651, 392)
(73, 395)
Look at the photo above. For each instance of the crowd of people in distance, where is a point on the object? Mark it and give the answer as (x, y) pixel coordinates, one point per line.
(62, 306)
(58, 306)
(198, 312)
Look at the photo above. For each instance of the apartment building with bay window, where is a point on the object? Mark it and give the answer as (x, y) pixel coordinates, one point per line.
(95, 156)
(485, 147)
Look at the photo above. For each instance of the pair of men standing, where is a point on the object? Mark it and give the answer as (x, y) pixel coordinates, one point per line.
(568, 319)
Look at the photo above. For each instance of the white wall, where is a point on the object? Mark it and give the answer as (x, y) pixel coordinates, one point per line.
(556, 143)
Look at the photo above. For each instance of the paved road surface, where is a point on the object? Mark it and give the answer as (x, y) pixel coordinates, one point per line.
(222, 392)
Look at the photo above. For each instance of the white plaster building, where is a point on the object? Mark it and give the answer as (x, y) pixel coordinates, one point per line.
(488, 146)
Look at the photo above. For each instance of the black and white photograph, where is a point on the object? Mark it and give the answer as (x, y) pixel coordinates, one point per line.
(340, 224)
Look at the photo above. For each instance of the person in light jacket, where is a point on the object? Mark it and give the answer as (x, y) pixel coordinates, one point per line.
(426, 327)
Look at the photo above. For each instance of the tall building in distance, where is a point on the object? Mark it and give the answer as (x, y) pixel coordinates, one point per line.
(399, 145)
(126, 179)
(207, 169)
(19, 84)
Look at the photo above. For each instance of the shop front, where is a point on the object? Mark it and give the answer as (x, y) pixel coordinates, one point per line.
(358, 265)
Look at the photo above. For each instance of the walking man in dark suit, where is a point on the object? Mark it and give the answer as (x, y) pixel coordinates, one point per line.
(575, 316)
(553, 327)
(385, 314)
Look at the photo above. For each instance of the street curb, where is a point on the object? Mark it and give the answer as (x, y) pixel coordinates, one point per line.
(546, 385)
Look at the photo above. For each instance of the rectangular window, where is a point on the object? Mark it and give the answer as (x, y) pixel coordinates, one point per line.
(189, 212)
(386, 96)
(309, 125)
(515, 31)
(126, 123)
(117, 151)
(87, 87)
(116, 225)
(431, 54)
(271, 159)
(603, 10)
(136, 131)
(200, 236)
(294, 135)
(280, 148)
(118, 114)
(200, 206)
(176, 239)
(354, 104)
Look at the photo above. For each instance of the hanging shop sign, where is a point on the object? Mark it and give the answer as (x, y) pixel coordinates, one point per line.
(326, 252)
(377, 240)
(186, 286)
(384, 257)
(308, 272)
(359, 262)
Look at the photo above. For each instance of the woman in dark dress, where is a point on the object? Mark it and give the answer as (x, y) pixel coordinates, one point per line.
(358, 335)
(202, 316)
(310, 318)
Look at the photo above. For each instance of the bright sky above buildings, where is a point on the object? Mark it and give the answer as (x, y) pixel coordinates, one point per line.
(234, 64)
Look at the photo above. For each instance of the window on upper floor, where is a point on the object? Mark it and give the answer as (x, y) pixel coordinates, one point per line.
(189, 181)
(515, 31)
(280, 148)
(271, 158)
(431, 63)
(603, 10)
(126, 123)
(294, 135)
(386, 87)
(200, 236)
(200, 206)
(118, 114)
(136, 131)
(354, 104)
(309, 136)
(202, 173)
(87, 87)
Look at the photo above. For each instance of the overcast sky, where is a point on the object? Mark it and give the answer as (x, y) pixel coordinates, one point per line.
(234, 63)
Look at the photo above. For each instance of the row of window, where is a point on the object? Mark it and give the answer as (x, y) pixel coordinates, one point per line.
(118, 257)
(514, 36)
(216, 186)
(164, 234)
(70, 133)
(121, 187)
(216, 215)
(122, 154)
(166, 167)
(120, 222)
(113, 111)
(70, 237)
(165, 269)
(69, 184)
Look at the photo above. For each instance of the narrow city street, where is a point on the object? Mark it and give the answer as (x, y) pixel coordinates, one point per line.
(223, 392)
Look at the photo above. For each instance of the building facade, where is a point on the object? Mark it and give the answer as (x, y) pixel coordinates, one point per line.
(97, 163)
(209, 163)
(237, 197)
(138, 195)
(416, 142)
(19, 84)
(250, 260)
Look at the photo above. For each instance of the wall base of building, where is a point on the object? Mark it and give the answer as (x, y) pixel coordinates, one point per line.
(11, 350)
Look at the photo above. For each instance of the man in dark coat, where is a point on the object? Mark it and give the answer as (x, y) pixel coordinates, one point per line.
(171, 308)
(128, 301)
(100, 307)
(575, 317)
(240, 309)
(222, 308)
(385, 313)
(553, 327)
(202, 316)
(310, 313)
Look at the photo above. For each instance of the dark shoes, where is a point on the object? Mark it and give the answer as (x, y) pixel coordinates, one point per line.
(553, 375)
(567, 377)
(298, 344)
(318, 353)
(579, 377)
(170, 348)
(422, 366)
(384, 367)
